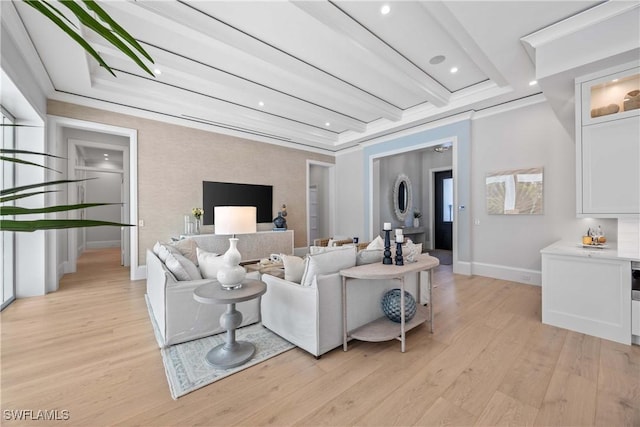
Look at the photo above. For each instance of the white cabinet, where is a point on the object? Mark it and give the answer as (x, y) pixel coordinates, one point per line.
(588, 295)
(608, 143)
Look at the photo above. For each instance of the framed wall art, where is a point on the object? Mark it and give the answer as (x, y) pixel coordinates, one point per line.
(515, 192)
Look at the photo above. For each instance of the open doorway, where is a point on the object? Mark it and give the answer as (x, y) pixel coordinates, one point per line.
(63, 247)
(320, 200)
(443, 210)
(103, 169)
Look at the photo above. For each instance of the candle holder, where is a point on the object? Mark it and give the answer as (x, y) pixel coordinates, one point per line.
(399, 259)
(387, 248)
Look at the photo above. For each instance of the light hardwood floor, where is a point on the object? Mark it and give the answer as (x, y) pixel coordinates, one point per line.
(89, 349)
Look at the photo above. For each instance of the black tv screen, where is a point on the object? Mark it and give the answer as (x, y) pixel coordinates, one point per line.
(230, 194)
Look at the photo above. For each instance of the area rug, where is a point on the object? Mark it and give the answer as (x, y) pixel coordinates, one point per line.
(187, 369)
(445, 256)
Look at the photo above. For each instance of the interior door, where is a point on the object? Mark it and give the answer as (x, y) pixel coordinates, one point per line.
(443, 206)
(313, 213)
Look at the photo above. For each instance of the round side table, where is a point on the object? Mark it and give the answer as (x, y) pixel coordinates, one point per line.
(231, 353)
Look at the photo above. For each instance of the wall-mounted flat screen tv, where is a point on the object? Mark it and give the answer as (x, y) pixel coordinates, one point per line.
(230, 194)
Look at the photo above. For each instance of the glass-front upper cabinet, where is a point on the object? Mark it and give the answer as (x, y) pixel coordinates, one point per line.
(611, 97)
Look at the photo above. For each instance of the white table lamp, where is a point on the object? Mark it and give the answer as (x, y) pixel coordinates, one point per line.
(233, 220)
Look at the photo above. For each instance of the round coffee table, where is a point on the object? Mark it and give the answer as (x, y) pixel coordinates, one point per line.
(231, 353)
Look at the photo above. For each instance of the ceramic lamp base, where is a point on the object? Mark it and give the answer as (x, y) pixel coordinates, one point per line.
(231, 274)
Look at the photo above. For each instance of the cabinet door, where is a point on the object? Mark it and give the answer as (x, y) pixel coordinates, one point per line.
(587, 295)
(611, 167)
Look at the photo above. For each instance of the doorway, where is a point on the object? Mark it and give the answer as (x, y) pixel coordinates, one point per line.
(103, 168)
(60, 253)
(320, 200)
(443, 210)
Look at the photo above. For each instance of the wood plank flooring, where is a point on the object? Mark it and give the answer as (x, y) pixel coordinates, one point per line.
(89, 349)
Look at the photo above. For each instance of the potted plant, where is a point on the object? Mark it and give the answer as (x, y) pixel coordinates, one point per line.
(416, 218)
(92, 16)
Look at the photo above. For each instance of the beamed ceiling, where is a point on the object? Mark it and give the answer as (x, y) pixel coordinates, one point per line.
(323, 74)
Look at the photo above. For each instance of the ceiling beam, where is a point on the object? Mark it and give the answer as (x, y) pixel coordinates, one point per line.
(196, 24)
(333, 17)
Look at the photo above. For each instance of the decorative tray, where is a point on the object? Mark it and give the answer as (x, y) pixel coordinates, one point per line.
(597, 246)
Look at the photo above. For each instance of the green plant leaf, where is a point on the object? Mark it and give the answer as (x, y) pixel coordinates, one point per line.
(105, 32)
(14, 190)
(16, 210)
(22, 196)
(54, 224)
(73, 34)
(93, 6)
(25, 162)
(12, 151)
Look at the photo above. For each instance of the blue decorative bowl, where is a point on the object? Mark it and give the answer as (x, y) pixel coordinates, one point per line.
(391, 305)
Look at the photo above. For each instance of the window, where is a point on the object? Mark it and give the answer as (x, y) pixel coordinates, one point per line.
(447, 200)
(7, 285)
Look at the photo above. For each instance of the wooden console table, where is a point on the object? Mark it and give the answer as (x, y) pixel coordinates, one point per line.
(383, 329)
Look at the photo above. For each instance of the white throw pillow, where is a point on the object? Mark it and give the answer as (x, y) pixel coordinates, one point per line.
(313, 250)
(165, 250)
(182, 267)
(369, 256)
(209, 263)
(327, 263)
(293, 268)
(156, 248)
(187, 247)
(377, 243)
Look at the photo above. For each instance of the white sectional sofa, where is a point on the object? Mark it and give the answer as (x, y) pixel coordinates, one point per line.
(178, 316)
(309, 314)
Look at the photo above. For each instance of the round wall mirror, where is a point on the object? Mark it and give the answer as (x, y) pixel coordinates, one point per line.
(402, 196)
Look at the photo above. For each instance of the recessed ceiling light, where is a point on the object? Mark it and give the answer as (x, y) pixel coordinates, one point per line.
(106, 155)
(454, 70)
(533, 82)
(385, 9)
(614, 80)
(157, 71)
(437, 59)
(327, 124)
(261, 104)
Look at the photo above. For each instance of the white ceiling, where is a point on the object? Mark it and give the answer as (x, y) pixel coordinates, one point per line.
(330, 74)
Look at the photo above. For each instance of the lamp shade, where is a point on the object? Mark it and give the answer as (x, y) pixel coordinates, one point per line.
(235, 219)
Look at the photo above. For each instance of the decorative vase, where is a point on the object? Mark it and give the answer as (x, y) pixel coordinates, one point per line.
(392, 309)
(416, 222)
(197, 226)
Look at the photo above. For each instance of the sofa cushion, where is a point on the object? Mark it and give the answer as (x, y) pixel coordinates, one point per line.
(321, 249)
(369, 256)
(328, 262)
(293, 267)
(187, 247)
(164, 251)
(209, 263)
(377, 243)
(181, 267)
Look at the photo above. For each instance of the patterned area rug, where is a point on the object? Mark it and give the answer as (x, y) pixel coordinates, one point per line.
(187, 369)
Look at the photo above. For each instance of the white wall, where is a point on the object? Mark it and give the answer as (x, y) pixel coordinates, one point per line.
(106, 188)
(350, 188)
(509, 245)
(501, 246)
(390, 167)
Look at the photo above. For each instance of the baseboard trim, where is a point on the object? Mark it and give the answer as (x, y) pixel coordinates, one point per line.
(462, 267)
(511, 274)
(103, 244)
(139, 273)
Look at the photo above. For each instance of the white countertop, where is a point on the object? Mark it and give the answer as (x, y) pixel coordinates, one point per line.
(575, 248)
